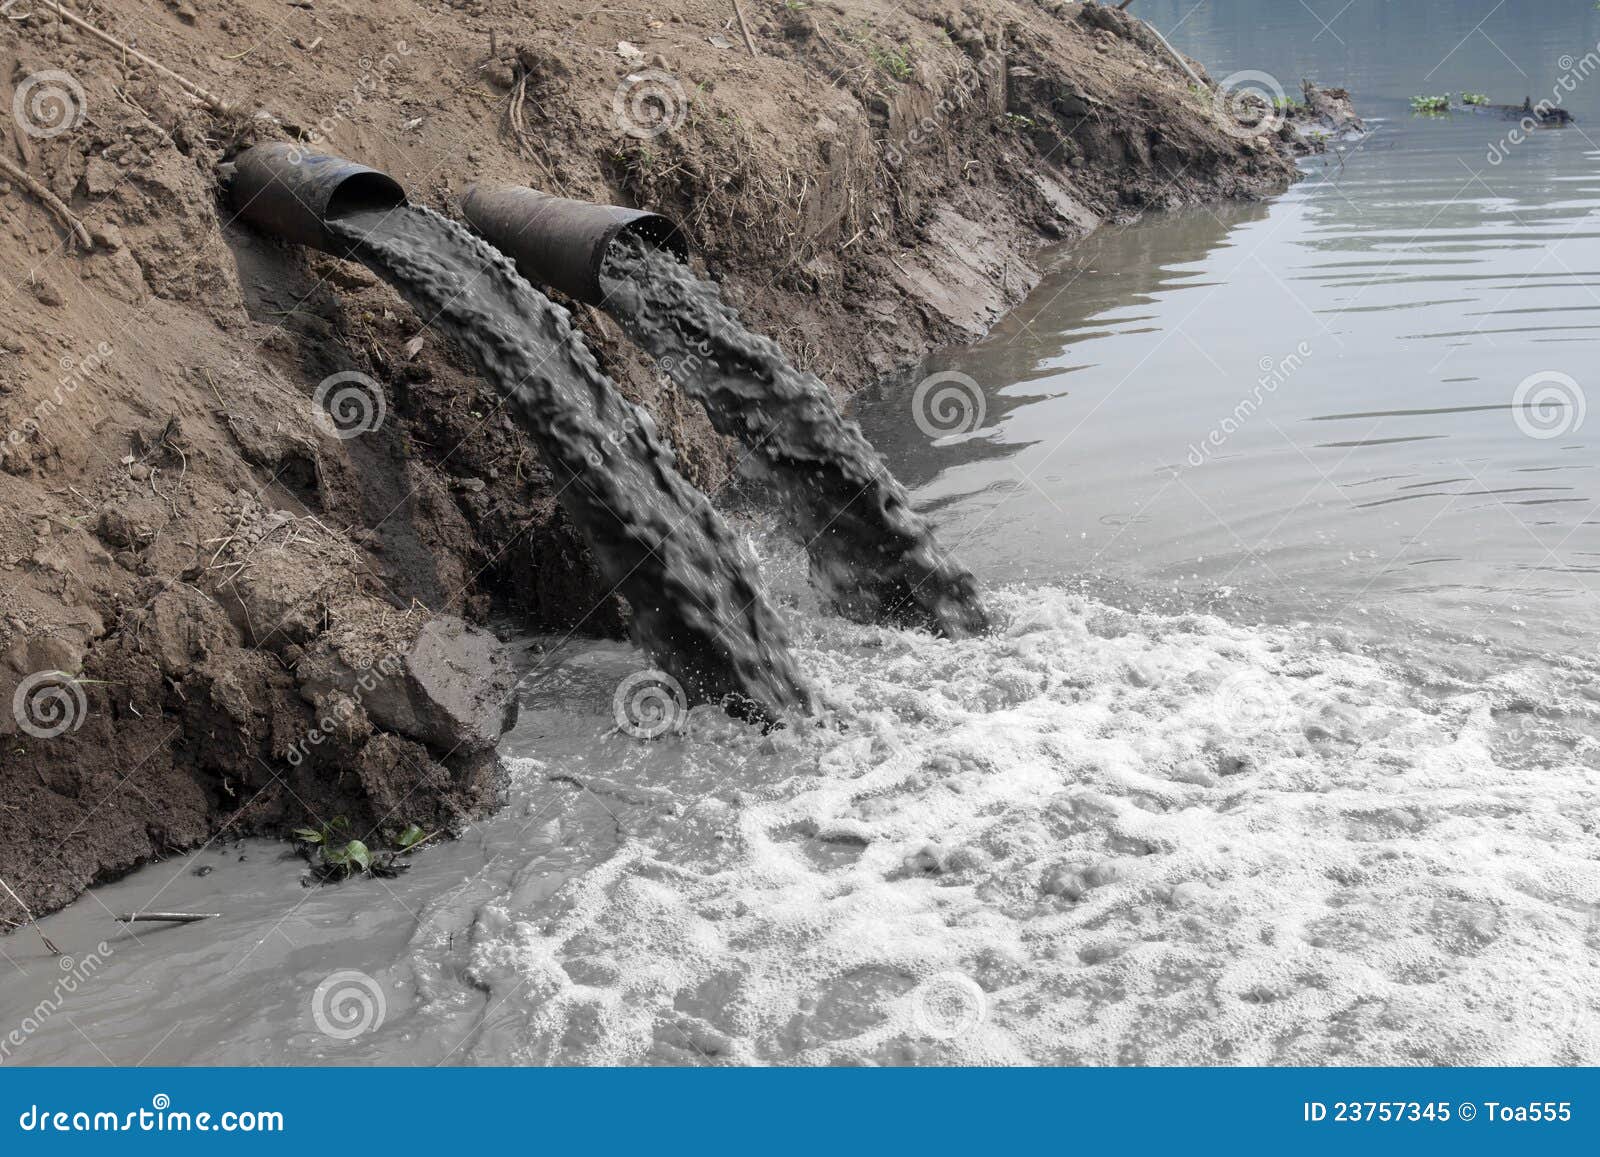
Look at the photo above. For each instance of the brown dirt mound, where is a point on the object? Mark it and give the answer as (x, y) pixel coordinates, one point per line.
(221, 613)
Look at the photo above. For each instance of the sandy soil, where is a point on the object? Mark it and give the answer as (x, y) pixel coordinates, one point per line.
(218, 613)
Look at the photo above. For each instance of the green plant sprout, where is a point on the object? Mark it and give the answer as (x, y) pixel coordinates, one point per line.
(334, 856)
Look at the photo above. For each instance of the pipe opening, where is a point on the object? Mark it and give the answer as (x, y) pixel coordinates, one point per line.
(364, 190)
(657, 232)
(283, 190)
(560, 243)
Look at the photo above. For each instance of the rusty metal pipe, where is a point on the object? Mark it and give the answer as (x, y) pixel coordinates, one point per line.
(562, 243)
(284, 190)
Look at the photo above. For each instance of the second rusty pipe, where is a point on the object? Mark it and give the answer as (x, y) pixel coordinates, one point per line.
(561, 243)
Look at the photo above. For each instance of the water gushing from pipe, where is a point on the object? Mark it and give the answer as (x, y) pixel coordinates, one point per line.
(873, 556)
(698, 607)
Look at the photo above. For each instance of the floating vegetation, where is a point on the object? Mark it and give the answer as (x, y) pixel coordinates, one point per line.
(1430, 105)
(1474, 99)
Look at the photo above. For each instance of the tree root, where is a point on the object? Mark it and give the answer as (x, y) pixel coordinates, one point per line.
(49, 200)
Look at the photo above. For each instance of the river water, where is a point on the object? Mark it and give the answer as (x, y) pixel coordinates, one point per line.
(1282, 751)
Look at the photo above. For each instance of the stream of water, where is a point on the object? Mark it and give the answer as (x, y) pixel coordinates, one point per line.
(1283, 749)
(873, 557)
(694, 591)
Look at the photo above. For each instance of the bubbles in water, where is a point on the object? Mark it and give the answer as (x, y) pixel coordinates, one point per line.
(1093, 837)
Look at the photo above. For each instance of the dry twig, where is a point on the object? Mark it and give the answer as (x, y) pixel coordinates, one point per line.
(749, 42)
(211, 101)
(167, 917)
(49, 200)
(48, 943)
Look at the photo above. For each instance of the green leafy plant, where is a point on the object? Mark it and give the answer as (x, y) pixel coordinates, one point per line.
(334, 855)
(411, 836)
(1286, 104)
(330, 850)
(1474, 98)
(1430, 105)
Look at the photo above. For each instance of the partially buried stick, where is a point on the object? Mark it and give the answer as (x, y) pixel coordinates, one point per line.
(49, 200)
(210, 100)
(749, 41)
(166, 917)
(48, 943)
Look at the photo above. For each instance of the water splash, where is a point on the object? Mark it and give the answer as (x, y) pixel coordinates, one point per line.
(871, 554)
(698, 607)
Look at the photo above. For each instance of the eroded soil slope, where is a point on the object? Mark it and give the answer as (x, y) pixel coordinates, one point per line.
(228, 606)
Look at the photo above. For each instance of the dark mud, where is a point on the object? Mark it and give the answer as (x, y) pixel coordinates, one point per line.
(872, 556)
(698, 608)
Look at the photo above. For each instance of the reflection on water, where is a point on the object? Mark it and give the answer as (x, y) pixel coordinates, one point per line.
(1365, 397)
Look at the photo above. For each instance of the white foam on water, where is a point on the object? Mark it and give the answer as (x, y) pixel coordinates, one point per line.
(1093, 837)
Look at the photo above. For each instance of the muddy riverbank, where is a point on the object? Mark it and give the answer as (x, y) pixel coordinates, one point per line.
(255, 516)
